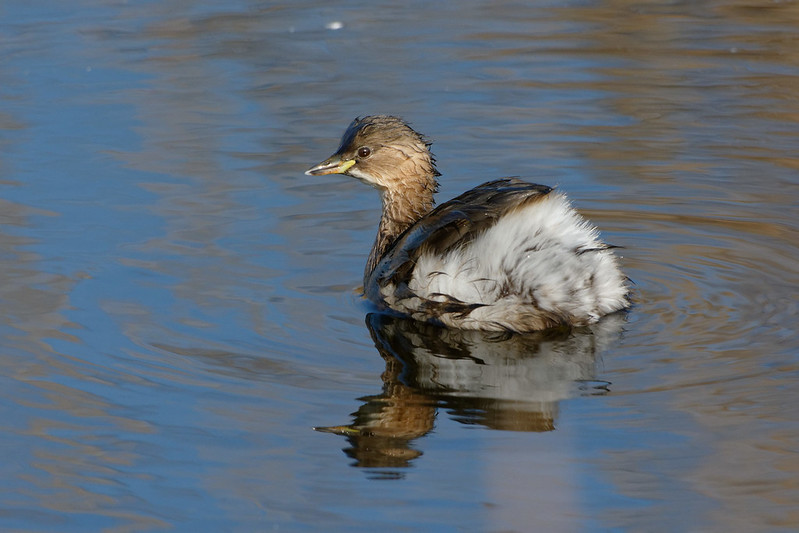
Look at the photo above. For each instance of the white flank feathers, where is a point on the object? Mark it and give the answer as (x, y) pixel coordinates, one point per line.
(542, 259)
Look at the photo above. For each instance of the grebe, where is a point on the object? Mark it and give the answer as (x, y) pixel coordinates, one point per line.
(505, 256)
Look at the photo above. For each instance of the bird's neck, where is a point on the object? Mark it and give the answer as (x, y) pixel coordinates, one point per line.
(401, 209)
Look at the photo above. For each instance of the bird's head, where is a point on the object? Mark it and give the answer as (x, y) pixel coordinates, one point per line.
(384, 152)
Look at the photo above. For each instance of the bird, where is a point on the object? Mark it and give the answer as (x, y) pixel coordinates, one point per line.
(507, 255)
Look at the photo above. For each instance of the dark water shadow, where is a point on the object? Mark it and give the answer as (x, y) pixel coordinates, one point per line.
(498, 381)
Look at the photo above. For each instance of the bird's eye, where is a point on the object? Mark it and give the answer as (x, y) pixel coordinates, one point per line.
(364, 151)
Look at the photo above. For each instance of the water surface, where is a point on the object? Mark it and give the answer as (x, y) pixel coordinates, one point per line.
(179, 304)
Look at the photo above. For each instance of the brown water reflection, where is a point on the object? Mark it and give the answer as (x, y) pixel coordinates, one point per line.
(499, 381)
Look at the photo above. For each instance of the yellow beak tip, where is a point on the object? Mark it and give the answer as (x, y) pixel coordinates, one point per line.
(330, 167)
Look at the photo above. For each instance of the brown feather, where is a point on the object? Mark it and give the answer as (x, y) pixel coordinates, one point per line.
(452, 224)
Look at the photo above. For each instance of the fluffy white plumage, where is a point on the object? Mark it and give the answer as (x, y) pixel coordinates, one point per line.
(539, 263)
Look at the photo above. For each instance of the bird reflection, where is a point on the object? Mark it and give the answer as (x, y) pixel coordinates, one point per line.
(502, 381)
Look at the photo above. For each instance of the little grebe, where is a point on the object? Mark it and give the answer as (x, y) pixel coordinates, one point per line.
(506, 256)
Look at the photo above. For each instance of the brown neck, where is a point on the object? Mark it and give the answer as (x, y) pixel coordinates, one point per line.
(401, 209)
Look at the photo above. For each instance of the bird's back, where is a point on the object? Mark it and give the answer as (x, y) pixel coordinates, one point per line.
(506, 255)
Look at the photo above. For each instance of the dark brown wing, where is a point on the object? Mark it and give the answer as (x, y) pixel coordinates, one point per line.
(450, 225)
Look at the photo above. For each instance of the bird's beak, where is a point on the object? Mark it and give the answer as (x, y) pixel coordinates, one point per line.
(331, 165)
